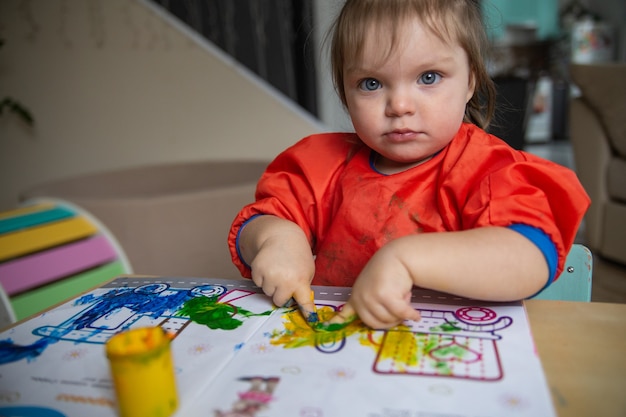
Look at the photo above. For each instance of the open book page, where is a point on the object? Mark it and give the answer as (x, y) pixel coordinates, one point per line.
(236, 354)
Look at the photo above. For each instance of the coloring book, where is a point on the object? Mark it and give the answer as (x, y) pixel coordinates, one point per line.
(237, 355)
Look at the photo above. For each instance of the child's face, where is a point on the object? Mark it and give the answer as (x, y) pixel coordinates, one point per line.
(410, 105)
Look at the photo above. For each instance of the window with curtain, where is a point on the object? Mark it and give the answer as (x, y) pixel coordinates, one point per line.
(272, 38)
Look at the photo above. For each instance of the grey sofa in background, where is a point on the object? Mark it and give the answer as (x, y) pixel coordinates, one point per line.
(598, 135)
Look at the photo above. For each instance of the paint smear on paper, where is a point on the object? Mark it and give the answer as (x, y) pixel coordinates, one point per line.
(298, 333)
(409, 351)
(10, 352)
(215, 315)
(405, 348)
(401, 346)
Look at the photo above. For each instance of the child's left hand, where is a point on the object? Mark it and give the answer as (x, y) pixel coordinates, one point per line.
(381, 295)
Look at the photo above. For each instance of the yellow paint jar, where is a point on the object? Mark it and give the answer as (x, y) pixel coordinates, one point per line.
(143, 372)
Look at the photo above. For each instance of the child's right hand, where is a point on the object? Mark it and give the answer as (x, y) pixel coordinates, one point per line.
(284, 268)
(281, 263)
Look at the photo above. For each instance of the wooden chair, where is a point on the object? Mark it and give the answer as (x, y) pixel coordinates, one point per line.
(51, 250)
(7, 315)
(574, 283)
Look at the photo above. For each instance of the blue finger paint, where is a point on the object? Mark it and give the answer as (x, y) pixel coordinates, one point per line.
(19, 411)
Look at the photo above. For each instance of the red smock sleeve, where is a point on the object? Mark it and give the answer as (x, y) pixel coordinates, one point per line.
(513, 187)
(297, 186)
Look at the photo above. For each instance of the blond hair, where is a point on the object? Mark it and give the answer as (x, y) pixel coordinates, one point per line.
(453, 21)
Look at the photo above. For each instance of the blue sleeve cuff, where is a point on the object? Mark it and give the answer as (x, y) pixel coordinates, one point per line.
(545, 245)
(237, 239)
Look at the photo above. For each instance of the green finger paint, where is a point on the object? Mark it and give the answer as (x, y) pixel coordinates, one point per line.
(215, 315)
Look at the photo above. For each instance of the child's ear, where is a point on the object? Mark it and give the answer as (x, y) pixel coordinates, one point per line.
(471, 87)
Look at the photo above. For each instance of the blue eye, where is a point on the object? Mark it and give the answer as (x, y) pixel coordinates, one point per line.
(369, 84)
(429, 78)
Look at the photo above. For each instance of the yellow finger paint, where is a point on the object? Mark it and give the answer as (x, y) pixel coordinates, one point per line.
(143, 372)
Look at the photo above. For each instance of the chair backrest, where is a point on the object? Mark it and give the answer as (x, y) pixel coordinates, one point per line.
(574, 283)
(7, 315)
(51, 250)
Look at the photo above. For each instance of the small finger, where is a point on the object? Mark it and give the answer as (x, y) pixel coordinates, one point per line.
(403, 311)
(305, 298)
(380, 318)
(282, 298)
(347, 314)
(412, 314)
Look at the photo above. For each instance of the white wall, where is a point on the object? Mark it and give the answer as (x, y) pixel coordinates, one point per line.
(114, 84)
(331, 110)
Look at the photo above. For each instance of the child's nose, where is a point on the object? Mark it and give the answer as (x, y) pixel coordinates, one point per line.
(400, 103)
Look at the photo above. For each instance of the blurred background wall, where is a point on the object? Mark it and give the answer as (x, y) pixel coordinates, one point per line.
(119, 83)
(122, 83)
